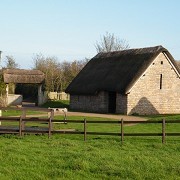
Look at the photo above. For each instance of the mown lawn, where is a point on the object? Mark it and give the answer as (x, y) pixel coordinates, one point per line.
(56, 104)
(19, 112)
(100, 157)
(63, 157)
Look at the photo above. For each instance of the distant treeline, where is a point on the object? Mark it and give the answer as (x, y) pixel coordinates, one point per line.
(58, 75)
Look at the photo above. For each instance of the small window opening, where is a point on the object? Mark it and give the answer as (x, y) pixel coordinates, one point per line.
(160, 81)
(161, 62)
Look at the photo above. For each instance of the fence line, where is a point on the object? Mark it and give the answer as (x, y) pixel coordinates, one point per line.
(23, 119)
(121, 133)
(50, 131)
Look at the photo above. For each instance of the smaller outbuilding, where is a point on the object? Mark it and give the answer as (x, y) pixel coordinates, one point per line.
(133, 81)
(23, 76)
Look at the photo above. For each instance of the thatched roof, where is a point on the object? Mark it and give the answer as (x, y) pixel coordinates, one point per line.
(115, 71)
(23, 76)
(178, 63)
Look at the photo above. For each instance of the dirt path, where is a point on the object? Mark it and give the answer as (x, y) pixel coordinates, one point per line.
(111, 116)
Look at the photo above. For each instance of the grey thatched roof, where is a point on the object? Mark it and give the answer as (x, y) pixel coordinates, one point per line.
(23, 76)
(115, 71)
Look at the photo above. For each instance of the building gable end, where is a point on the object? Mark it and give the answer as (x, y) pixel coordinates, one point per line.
(171, 64)
(142, 74)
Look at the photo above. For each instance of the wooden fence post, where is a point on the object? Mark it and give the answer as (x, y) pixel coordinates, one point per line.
(122, 131)
(163, 131)
(20, 126)
(0, 115)
(50, 123)
(49, 132)
(65, 117)
(22, 122)
(84, 129)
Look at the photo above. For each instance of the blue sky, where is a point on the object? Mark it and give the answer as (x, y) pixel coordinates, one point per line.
(68, 29)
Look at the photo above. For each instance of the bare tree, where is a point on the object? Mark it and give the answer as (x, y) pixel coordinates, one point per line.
(71, 69)
(49, 66)
(109, 42)
(58, 75)
(11, 63)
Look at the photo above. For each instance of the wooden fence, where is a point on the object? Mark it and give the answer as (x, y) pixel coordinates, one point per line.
(22, 128)
(22, 120)
(121, 133)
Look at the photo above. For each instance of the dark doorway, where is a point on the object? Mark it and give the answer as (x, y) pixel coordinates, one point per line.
(29, 93)
(112, 102)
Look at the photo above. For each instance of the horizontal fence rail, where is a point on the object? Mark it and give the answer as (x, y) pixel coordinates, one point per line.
(22, 119)
(122, 123)
(23, 128)
(26, 109)
(117, 122)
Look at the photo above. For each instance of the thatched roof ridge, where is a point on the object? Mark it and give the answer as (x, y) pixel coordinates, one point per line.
(23, 76)
(115, 71)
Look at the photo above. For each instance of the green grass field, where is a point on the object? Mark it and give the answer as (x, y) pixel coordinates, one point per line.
(63, 157)
(100, 157)
(56, 104)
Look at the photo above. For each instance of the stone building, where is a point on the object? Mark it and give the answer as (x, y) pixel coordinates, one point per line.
(134, 81)
(22, 76)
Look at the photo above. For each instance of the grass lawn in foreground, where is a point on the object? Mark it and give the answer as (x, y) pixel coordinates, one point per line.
(100, 157)
(60, 157)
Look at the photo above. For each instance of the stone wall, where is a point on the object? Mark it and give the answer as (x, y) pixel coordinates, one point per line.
(152, 94)
(121, 104)
(58, 96)
(90, 103)
(42, 98)
(14, 99)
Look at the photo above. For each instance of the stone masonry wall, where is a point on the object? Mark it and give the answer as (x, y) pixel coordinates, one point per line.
(146, 96)
(90, 103)
(121, 104)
